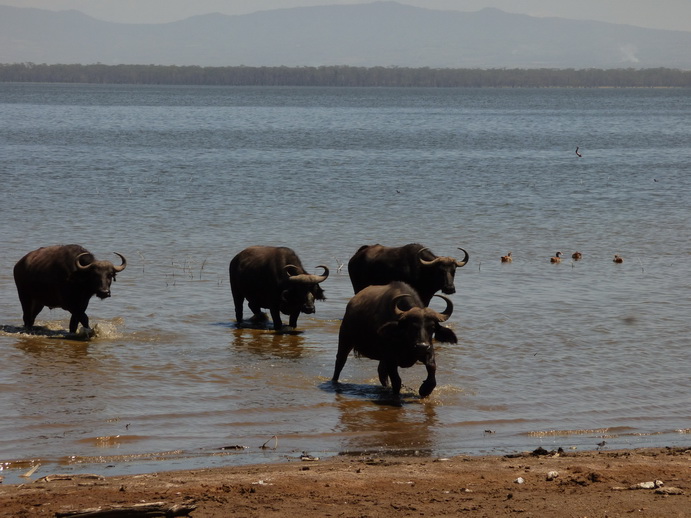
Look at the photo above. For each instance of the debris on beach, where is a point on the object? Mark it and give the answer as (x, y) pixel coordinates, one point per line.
(137, 510)
(669, 491)
(653, 484)
(551, 475)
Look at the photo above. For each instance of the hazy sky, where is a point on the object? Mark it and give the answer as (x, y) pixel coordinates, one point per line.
(659, 14)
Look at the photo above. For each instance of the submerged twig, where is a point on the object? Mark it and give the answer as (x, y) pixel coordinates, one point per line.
(31, 471)
(265, 447)
(141, 256)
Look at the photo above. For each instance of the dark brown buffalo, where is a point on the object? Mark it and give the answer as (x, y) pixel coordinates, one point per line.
(63, 276)
(412, 263)
(273, 278)
(391, 324)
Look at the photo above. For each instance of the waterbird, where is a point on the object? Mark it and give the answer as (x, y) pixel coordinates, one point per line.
(506, 258)
(577, 256)
(577, 153)
(556, 258)
(618, 259)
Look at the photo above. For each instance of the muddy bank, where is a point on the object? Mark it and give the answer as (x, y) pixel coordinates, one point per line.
(652, 482)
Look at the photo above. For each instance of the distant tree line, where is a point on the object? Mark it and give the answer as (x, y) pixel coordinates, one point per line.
(345, 76)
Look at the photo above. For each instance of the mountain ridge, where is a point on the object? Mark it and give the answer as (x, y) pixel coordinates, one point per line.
(383, 33)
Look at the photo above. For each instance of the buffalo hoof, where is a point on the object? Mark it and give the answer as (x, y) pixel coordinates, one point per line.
(83, 333)
(427, 387)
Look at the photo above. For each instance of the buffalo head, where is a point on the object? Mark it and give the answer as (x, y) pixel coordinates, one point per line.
(443, 269)
(98, 275)
(416, 327)
(302, 290)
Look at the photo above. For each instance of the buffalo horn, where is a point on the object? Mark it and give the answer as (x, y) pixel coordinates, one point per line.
(397, 309)
(305, 277)
(79, 265)
(423, 261)
(465, 259)
(437, 259)
(444, 315)
(124, 262)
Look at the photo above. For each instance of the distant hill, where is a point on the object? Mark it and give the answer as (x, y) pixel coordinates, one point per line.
(364, 35)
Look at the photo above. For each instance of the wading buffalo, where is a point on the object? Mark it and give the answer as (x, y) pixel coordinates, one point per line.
(413, 264)
(273, 278)
(63, 276)
(390, 324)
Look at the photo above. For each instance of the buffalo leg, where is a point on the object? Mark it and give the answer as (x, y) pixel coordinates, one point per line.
(428, 385)
(239, 301)
(276, 317)
(30, 311)
(74, 323)
(396, 383)
(293, 321)
(344, 348)
(76, 319)
(383, 374)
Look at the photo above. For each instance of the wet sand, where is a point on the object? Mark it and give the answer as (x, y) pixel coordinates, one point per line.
(539, 483)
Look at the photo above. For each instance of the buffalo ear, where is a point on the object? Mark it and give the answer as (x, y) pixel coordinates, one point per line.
(318, 292)
(388, 330)
(444, 334)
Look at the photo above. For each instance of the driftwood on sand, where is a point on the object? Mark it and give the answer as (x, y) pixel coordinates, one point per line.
(145, 510)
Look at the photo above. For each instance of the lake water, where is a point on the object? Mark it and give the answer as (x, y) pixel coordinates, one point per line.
(180, 179)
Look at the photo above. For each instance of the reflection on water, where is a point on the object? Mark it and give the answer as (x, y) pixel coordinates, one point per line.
(389, 425)
(264, 342)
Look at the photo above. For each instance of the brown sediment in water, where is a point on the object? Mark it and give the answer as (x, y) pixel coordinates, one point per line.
(538, 483)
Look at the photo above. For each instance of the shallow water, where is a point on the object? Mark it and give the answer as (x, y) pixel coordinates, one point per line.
(180, 179)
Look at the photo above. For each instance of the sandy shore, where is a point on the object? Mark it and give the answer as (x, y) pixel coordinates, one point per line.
(540, 483)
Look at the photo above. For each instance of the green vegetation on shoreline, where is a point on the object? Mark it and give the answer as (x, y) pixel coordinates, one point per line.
(346, 76)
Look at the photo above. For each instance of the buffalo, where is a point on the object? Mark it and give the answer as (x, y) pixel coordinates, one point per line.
(413, 264)
(273, 278)
(392, 325)
(63, 276)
